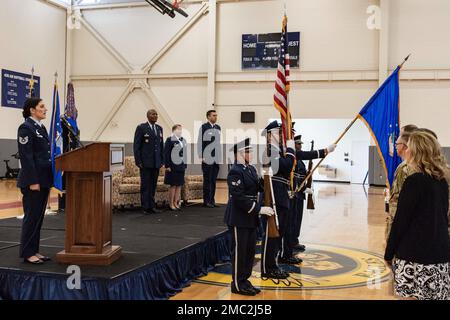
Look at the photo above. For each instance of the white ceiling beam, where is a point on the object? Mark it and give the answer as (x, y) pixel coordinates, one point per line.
(132, 85)
(264, 76)
(148, 66)
(56, 3)
(103, 77)
(106, 45)
(156, 103)
(139, 4)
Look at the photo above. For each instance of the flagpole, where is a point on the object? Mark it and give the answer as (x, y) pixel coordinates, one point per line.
(321, 160)
(339, 139)
(31, 81)
(49, 211)
(406, 59)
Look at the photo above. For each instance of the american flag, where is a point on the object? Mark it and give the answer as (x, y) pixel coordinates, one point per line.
(282, 84)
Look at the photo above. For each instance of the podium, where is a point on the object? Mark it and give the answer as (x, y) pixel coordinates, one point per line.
(88, 173)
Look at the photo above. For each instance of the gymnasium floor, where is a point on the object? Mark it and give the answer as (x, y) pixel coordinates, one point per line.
(344, 237)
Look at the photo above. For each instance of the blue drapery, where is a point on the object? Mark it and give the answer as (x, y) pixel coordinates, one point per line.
(156, 281)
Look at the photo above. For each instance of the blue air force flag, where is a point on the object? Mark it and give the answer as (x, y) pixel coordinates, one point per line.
(381, 116)
(56, 141)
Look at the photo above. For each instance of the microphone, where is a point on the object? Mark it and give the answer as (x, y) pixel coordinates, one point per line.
(71, 130)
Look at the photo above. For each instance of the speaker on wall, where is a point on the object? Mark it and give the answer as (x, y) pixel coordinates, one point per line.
(248, 117)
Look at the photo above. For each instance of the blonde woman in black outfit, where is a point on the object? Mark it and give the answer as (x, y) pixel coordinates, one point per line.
(418, 245)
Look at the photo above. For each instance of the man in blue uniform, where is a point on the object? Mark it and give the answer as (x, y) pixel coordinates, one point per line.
(148, 150)
(35, 177)
(298, 200)
(241, 216)
(281, 164)
(210, 152)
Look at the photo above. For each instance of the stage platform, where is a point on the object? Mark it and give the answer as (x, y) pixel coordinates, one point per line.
(162, 253)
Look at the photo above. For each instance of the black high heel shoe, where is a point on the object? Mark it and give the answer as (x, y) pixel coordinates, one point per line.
(45, 259)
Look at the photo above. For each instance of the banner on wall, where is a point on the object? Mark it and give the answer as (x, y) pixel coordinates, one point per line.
(262, 51)
(16, 88)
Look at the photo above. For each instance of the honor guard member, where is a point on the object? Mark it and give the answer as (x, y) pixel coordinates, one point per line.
(148, 148)
(299, 176)
(286, 255)
(35, 177)
(241, 216)
(281, 164)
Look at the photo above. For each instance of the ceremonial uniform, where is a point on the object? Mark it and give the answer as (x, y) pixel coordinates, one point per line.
(175, 159)
(241, 217)
(148, 150)
(209, 149)
(400, 175)
(299, 198)
(281, 165)
(36, 168)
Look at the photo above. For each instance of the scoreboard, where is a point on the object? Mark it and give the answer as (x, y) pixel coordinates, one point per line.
(262, 51)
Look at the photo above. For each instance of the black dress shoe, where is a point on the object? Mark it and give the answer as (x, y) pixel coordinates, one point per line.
(291, 260)
(251, 287)
(299, 247)
(243, 291)
(275, 274)
(209, 205)
(152, 211)
(33, 262)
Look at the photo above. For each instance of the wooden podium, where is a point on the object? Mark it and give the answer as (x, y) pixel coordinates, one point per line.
(89, 204)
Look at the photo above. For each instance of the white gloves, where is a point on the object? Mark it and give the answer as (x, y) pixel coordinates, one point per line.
(331, 147)
(308, 191)
(267, 211)
(290, 144)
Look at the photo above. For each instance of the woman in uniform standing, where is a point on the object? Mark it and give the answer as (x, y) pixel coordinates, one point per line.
(35, 177)
(175, 163)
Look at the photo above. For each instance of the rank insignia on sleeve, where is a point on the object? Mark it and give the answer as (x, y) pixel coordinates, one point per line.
(23, 140)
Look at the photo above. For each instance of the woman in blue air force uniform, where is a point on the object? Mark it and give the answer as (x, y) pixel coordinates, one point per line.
(35, 177)
(175, 163)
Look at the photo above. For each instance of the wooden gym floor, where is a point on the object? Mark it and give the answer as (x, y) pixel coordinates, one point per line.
(344, 237)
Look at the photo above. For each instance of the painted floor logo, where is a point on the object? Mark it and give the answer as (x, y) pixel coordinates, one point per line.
(323, 267)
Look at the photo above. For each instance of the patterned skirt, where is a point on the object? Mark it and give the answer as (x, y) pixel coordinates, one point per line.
(423, 282)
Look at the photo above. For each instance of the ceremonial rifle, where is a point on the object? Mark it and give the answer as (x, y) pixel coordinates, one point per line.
(310, 201)
(269, 198)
